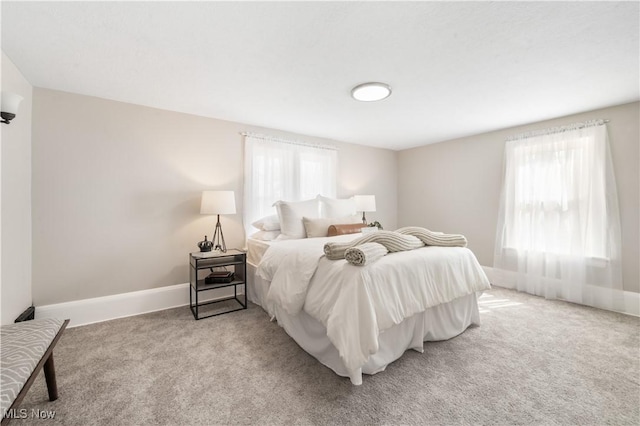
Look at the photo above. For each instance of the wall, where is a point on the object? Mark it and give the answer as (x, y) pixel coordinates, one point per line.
(15, 285)
(455, 186)
(116, 192)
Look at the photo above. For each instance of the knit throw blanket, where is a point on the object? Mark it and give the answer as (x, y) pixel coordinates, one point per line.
(430, 238)
(408, 238)
(365, 254)
(391, 240)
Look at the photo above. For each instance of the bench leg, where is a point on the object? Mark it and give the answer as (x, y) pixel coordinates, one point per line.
(50, 376)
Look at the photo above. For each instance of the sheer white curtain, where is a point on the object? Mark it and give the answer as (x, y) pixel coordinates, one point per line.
(558, 233)
(276, 169)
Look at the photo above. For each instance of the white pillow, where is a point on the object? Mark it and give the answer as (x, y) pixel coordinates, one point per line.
(267, 223)
(266, 235)
(320, 227)
(332, 207)
(291, 213)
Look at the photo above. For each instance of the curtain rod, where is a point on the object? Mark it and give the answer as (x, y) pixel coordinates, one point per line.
(559, 129)
(289, 141)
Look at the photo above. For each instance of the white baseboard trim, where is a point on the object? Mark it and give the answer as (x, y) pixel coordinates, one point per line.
(632, 303)
(631, 299)
(99, 309)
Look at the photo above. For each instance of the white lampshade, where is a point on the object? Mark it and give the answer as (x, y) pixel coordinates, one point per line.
(218, 202)
(365, 203)
(10, 102)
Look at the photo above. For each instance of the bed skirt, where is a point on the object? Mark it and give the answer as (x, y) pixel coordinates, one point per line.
(440, 322)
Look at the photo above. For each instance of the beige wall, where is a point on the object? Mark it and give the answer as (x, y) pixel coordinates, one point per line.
(15, 266)
(454, 186)
(116, 192)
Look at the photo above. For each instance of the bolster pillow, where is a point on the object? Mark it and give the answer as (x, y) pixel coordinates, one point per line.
(352, 228)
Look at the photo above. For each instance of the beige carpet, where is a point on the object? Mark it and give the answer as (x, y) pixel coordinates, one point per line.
(532, 361)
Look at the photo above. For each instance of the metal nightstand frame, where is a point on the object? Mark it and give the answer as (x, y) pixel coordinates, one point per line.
(204, 261)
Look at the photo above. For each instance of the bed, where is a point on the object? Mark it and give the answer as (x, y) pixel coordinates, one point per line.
(356, 319)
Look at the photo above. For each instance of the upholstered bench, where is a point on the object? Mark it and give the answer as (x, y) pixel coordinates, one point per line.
(25, 348)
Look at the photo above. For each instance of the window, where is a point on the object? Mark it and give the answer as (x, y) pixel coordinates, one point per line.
(558, 232)
(276, 169)
(559, 200)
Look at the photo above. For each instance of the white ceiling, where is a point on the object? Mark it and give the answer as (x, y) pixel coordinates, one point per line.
(456, 68)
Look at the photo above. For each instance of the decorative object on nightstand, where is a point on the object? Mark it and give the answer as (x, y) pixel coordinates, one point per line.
(230, 271)
(218, 277)
(218, 202)
(376, 224)
(365, 203)
(205, 245)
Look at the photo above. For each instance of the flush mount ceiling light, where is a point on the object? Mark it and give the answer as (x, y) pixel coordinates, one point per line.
(369, 92)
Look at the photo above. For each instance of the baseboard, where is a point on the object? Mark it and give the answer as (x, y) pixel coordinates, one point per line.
(631, 299)
(89, 311)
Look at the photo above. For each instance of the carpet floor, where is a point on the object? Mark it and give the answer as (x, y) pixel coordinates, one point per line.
(532, 361)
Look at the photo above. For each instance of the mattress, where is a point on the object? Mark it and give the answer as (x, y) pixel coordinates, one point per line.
(256, 249)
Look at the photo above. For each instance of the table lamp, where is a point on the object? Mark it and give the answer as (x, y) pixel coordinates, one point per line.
(218, 202)
(365, 203)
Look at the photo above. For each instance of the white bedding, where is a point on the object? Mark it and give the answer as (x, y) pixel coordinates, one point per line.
(356, 304)
(289, 265)
(441, 322)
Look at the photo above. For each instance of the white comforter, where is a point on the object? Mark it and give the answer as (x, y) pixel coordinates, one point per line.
(357, 303)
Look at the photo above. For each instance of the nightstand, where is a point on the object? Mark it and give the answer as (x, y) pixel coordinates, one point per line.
(201, 264)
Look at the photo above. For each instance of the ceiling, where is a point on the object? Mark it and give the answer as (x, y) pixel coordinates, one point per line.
(456, 68)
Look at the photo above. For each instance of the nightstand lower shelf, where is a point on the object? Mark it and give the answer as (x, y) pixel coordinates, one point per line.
(195, 309)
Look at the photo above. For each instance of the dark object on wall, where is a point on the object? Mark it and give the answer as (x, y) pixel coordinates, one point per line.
(28, 314)
(7, 117)
(219, 277)
(205, 245)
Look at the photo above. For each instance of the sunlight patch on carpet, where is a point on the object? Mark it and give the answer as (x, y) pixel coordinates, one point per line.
(488, 303)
